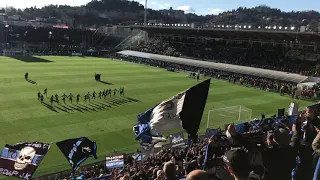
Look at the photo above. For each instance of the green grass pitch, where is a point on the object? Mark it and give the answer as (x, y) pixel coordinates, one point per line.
(23, 118)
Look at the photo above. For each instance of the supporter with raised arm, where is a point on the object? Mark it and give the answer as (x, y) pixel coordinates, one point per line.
(309, 121)
(279, 154)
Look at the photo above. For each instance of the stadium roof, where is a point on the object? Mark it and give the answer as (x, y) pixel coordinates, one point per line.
(263, 35)
(279, 75)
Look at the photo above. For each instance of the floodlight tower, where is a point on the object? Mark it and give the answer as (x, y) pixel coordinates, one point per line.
(145, 13)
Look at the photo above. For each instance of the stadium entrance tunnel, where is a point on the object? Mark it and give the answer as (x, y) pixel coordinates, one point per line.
(30, 59)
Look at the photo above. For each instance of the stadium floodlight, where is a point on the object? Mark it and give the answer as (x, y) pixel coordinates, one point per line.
(274, 27)
(292, 28)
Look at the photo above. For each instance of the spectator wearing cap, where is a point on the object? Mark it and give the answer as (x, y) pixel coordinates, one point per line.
(238, 164)
(170, 172)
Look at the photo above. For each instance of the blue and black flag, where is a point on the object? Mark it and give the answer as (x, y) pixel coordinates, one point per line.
(77, 150)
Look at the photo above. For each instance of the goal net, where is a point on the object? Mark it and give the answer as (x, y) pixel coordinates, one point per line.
(228, 115)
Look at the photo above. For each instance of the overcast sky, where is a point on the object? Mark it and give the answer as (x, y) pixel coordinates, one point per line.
(196, 6)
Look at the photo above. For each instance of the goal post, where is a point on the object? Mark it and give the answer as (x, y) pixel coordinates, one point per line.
(228, 115)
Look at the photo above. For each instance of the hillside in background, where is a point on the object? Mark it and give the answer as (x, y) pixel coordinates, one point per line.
(266, 16)
(97, 13)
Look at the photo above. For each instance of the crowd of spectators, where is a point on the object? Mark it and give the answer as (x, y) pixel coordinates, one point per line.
(274, 158)
(158, 47)
(282, 87)
(267, 56)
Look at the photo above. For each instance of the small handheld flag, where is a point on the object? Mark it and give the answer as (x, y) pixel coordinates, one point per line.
(77, 150)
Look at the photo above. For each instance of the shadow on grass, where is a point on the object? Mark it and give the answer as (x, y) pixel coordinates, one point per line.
(104, 82)
(30, 81)
(30, 59)
(75, 108)
(49, 107)
(94, 105)
(84, 109)
(61, 109)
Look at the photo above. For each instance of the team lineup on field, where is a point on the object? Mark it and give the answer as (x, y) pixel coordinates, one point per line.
(87, 96)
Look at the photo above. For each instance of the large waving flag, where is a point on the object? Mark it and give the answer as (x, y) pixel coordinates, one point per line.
(183, 110)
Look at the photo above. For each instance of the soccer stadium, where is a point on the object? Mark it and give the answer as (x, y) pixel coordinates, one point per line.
(158, 101)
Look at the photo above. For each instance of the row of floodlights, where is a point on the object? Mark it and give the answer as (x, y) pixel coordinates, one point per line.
(259, 27)
(179, 25)
(161, 24)
(226, 26)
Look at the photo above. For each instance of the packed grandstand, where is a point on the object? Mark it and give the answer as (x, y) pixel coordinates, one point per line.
(284, 146)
